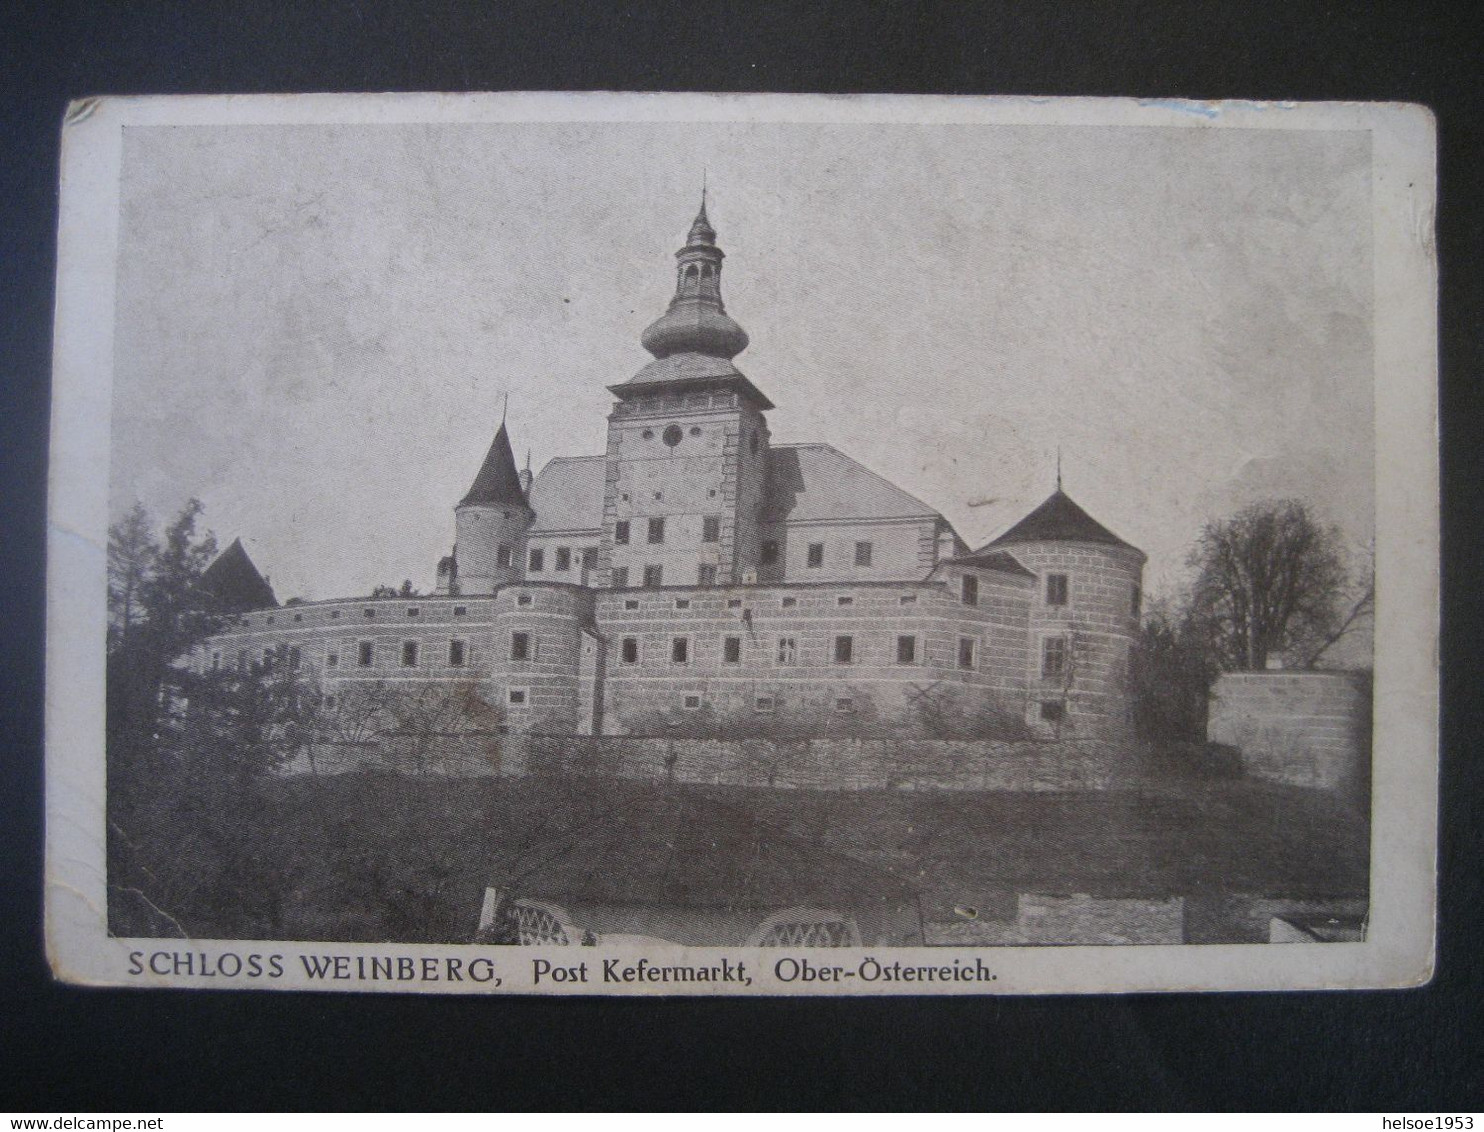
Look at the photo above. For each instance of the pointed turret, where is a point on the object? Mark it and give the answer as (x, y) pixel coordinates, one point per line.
(233, 584)
(498, 483)
(1059, 519)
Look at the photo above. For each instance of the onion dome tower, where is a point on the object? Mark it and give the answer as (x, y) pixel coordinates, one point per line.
(491, 523)
(697, 322)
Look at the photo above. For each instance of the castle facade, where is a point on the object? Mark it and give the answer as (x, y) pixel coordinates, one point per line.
(697, 573)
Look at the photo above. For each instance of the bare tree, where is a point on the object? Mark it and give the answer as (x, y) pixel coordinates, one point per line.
(1269, 578)
(132, 550)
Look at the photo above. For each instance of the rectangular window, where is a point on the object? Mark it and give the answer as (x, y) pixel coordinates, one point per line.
(332, 660)
(620, 577)
(242, 660)
(906, 650)
(409, 654)
(517, 696)
(460, 610)
(520, 646)
(298, 617)
(706, 574)
(631, 603)
(413, 611)
(970, 590)
(294, 656)
(1053, 711)
(330, 702)
(369, 612)
(789, 602)
(907, 599)
(654, 575)
(734, 603)
(1054, 658)
(216, 661)
(458, 652)
(590, 558)
(1056, 589)
(844, 649)
(682, 603)
(1135, 603)
(365, 654)
(711, 529)
(621, 532)
(764, 705)
(656, 531)
(537, 560)
(629, 650)
(770, 553)
(680, 650)
(816, 555)
(267, 656)
(845, 601)
(504, 556)
(334, 615)
(522, 599)
(862, 554)
(788, 650)
(691, 703)
(563, 558)
(731, 650)
(844, 705)
(966, 652)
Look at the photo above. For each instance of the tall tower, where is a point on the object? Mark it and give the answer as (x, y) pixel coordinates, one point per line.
(490, 523)
(687, 443)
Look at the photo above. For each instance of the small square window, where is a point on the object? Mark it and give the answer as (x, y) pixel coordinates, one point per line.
(906, 650)
(267, 620)
(522, 599)
(863, 553)
(457, 654)
(788, 650)
(629, 650)
(334, 615)
(908, 599)
(300, 616)
(844, 649)
(734, 603)
(409, 654)
(659, 497)
(365, 654)
(844, 705)
(331, 702)
(1056, 589)
(682, 603)
(845, 600)
(816, 555)
(267, 656)
(620, 577)
(764, 705)
(711, 528)
(680, 650)
(789, 602)
(460, 610)
(706, 574)
(621, 532)
(537, 560)
(413, 611)
(564, 558)
(731, 650)
(368, 613)
(517, 696)
(656, 531)
(520, 646)
(1053, 711)
(631, 603)
(966, 652)
(970, 589)
(692, 702)
(654, 575)
(770, 553)
(332, 660)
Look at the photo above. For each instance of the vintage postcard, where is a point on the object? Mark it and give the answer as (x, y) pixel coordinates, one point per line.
(671, 544)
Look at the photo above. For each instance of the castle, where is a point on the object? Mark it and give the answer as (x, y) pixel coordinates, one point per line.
(696, 567)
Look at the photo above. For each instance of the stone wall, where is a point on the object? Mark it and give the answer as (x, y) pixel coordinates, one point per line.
(1300, 728)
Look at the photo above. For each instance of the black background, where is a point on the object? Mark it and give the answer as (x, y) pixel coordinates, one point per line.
(63, 1049)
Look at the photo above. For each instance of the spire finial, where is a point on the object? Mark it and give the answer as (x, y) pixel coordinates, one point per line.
(528, 459)
(505, 410)
(1058, 467)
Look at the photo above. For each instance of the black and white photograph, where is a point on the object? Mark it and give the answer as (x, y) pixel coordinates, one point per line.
(691, 545)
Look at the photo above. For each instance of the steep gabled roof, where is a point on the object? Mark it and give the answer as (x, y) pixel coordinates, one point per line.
(568, 495)
(233, 584)
(498, 482)
(990, 560)
(1058, 519)
(808, 482)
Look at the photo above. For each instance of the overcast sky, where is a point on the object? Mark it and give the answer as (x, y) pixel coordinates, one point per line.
(317, 324)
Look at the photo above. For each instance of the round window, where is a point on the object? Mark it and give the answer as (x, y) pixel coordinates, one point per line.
(672, 435)
(649, 434)
(695, 430)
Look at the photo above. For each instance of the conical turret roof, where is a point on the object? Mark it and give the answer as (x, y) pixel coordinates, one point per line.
(233, 584)
(1059, 519)
(498, 481)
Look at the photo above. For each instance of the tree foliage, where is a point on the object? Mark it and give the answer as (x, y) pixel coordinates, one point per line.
(1270, 582)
